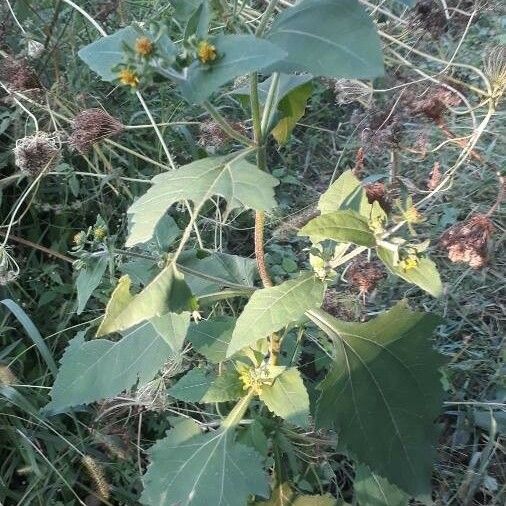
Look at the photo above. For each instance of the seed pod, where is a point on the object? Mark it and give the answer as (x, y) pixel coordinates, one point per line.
(466, 242)
(36, 154)
(18, 75)
(91, 126)
(365, 276)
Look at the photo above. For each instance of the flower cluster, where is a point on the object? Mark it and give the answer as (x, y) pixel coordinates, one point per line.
(36, 153)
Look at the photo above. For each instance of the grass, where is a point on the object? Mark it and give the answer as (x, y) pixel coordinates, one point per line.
(42, 455)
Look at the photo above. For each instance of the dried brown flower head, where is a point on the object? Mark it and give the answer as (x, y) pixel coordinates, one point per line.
(434, 177)
(376, 192)
(365, 276)
(90, 126)
(18, 75)
(429, 17)
(36, 154)
(433, 103)
(348, 91)
(466, 242)
(339, 305)
(383, 131)
(212, 135)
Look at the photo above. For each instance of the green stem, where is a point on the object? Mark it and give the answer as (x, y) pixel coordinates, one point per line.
(225, 125)
(269, 104)
(255, 108)
(237, 413)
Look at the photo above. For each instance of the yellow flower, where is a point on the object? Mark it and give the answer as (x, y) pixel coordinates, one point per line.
(99, 233)
(128, 77)
(413, 215)
(144, 46)
(408, 263)
(206, 52)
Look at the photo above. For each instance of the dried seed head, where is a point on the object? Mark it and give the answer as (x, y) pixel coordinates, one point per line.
(7, 377)
(212, 136)
(97, 476)
(339, 305)
(36, 154)
(434, 177)
(428, 16)
(383, 131)
(467, 241)
(365, 276)
(34, 49)
(18, 75)
(376, 192)
(91, 126)
(495, 70)
(348, 91)
(433, 104)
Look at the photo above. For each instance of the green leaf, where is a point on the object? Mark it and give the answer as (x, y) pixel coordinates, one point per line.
(225, 387)
(212, 337)
(292, 108)
(340, 226)
(88, 279)
(239, 182)
(100, 369)
(236, 55)
(328, 38)
(425, 274)
(192, 386)
(166, 232)
(287, 397)
(183, 9)
(166, 293)
(271, 309)
(253, 435)
(198, 24)
(383, 393)
(373, 490)
(108, 52)
(345, 193)
(173, 328)
(216, 271)
(202, 469)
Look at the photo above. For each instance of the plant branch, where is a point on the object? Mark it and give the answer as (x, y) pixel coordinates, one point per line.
(225, 125)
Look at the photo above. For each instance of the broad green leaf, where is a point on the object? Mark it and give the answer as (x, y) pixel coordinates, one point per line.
(236, 55)
(226, 387)
(183, 9)
(198, 24)
(345, 193)
(88, 279)
(108, 52)
(271, 309)
(239, 182)
(166, 232)
(328, 38)
(140, 270)
(212, 337)
(173, 328)
(216, 271)
(166, 293)
(383, 393)
(202, 470)
(287, 397)
(340, 226)
(286, 84)
(100, 369)
(192, 386)
(283, 495)
(292, 108)
(425, 274)
(373, 490)
(253, 435)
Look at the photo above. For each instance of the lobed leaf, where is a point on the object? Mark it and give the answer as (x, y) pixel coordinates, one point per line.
(239, 182)
(383, 393)
(287, 397)
(271, 309)
(94, 370)
(202, 469)
(327, 38)
(341, 226)
(166, 293)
